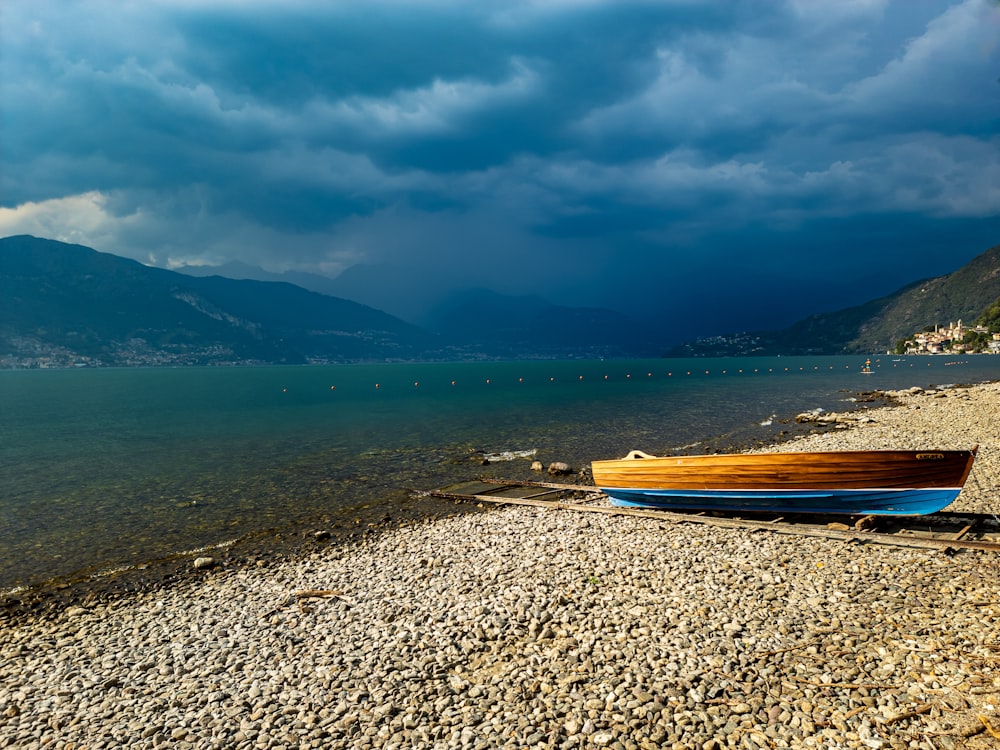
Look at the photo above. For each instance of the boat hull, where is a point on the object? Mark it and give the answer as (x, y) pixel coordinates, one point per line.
(846, 482)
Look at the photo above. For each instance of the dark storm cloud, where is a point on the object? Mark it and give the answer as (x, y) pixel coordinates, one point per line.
(651, 156)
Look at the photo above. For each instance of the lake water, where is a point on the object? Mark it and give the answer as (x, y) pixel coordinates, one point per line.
(108, 468)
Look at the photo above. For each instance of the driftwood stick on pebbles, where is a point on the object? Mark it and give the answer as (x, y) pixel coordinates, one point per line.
(989, 727)
(301, 596)
(904, 715)
(317, 593)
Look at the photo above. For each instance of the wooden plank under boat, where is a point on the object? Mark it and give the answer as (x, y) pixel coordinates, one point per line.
(886, 482)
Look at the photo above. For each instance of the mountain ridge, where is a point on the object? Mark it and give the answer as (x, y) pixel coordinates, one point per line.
(69, 304)
(876, 325)
(106, 309)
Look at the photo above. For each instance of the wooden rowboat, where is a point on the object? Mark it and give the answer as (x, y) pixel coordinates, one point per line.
(891, 482)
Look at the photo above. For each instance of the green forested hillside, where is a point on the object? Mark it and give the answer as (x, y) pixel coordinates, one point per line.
(991, 317)
(962, 295)
(73, 302)
(876, 325)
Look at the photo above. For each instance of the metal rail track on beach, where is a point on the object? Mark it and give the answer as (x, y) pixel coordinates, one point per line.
(943, 530)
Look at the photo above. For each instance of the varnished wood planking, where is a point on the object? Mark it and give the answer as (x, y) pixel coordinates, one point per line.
(834, 470)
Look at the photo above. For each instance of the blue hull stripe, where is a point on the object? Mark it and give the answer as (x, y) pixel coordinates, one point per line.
(893, 502)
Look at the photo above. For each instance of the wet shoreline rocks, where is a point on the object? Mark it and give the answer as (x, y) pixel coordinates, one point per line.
(535, 628)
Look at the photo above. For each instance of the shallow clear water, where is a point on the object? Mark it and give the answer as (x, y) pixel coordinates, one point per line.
(107, 468)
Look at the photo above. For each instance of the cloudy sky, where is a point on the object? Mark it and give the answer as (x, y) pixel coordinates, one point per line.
(714, 164)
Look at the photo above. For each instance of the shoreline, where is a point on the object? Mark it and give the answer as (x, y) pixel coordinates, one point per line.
(275, 499)
(537, 628)
(261, 548)
(269, 546)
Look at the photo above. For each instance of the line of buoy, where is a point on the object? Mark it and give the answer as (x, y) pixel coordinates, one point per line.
(669, 374)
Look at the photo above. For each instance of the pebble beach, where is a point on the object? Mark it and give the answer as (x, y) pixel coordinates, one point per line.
(523, 627)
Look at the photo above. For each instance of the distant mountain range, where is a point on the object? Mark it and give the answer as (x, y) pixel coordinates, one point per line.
(873, 326)
(506, 325)
(63, 304)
